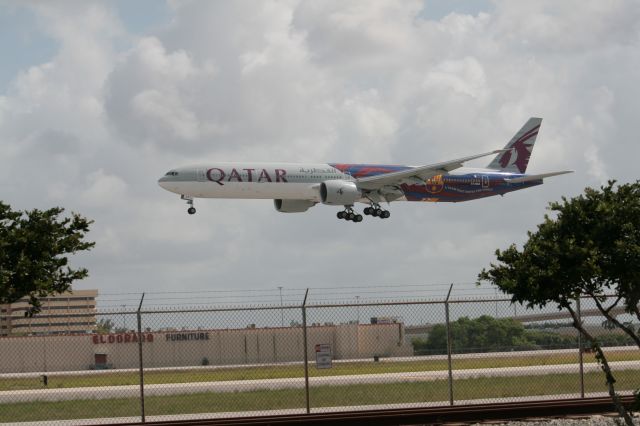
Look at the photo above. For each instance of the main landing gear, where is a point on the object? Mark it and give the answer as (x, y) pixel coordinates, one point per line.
(376, 211)
(349, 214)
(191, 209)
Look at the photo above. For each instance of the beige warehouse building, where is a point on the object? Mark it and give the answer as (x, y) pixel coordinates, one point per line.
(49, 353)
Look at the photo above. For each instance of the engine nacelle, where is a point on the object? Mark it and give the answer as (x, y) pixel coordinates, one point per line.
(339, 192)
(293, 206)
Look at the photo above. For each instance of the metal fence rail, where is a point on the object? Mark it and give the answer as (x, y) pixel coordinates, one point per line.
(433, 415)
(290, 359)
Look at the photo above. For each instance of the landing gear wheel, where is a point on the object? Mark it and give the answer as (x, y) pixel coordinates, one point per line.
(189, 200)
(349, 214)
(386, 214)
(379, 212)
(367, 211)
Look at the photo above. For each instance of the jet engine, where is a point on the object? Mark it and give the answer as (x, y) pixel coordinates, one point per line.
(339, 193)
(293, 206)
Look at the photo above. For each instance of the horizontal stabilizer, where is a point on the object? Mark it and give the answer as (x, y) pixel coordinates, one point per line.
(536, 177)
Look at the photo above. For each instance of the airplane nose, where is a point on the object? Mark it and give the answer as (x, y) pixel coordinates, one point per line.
(163, 182)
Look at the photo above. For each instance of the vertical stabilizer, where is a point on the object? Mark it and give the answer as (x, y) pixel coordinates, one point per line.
(516, 159)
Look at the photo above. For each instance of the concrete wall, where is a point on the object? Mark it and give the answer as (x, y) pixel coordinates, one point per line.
(190, 348)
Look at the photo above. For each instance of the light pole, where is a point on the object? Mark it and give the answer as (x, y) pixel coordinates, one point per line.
(281, 308)
(124, 318)
(358, 307)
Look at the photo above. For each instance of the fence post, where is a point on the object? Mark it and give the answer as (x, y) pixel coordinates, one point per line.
(446, 310)
(140, 362)
(306, 356)
(580, 352)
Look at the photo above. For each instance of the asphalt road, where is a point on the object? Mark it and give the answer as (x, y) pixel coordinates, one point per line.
(132, 391)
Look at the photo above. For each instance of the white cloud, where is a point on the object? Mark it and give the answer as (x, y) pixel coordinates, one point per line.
(95, 125)
(569, 27)
(165, 112)
(103, 190)
(464, 77)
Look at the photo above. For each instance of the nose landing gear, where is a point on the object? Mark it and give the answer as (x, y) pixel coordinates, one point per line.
(189, 200)
(349, 214)
(376, 211)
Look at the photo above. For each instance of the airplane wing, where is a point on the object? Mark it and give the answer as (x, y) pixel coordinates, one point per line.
(536, 177)
(420, 173)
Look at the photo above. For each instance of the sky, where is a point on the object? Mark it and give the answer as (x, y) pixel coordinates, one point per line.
(99, 99)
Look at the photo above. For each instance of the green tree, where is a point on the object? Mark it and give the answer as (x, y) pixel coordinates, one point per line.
(483, 334)
(591, 247)
(33, 253)
(104, 326)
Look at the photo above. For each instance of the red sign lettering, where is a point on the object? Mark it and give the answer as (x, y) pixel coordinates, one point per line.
(120, 338)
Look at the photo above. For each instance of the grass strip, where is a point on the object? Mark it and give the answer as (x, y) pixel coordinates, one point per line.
(291, 371)
(324, 396)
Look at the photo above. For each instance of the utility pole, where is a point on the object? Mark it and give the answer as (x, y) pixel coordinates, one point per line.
(281, 308)
(358, 307)
(124, 318)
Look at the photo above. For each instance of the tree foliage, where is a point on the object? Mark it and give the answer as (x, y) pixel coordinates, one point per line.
(104, 326)
(483, 334)
(488, 334)
(592, 248)
(34, 246)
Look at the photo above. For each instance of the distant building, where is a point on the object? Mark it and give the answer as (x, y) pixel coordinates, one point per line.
(66, 313)
(198, 347)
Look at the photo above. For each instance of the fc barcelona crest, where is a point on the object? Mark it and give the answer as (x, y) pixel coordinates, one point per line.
(435, 184)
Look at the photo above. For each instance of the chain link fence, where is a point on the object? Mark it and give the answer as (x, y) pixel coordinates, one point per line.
(144, 364)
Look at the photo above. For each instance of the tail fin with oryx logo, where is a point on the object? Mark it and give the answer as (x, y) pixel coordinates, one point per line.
(516, 158)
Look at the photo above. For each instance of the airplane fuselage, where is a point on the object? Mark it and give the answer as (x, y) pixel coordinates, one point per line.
(294, 188)
(289, 181)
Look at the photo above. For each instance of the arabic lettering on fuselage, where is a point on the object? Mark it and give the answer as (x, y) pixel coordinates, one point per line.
(218, 175)
(315, 170)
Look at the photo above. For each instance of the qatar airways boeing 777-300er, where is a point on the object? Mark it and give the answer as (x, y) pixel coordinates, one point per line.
(295, 188)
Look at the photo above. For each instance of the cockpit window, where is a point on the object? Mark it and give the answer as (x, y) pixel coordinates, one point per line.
(172, 173)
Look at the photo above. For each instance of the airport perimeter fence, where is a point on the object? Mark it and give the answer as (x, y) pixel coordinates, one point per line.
(157, 364)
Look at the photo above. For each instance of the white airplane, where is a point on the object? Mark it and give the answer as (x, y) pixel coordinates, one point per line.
(297, 187)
